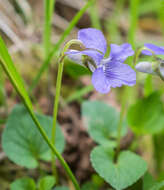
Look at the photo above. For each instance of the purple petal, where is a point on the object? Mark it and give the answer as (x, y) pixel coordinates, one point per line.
(96, 56)
(95, 44)
(100, 82)
(77, 55)
(93, 38)
(158, 50)
(119, 74)
(120, 53)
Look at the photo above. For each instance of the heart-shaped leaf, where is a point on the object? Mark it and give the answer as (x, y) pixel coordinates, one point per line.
(128, 169)
(46, 183)
(22, 142)
(101, 121)
(143, 119)
(25, 183)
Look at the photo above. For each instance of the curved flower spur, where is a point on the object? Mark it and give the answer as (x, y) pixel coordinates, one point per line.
(107, 72)
(154, 67)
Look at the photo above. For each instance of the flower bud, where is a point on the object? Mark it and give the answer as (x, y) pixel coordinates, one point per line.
(156, 68)
(161, 70)
(145, 67)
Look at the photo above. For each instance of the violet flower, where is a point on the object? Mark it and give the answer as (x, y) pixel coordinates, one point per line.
(157, 50)
(154, 67)
(107, 72)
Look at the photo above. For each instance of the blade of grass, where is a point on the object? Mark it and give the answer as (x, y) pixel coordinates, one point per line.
(161, 15)
(134, 7)
(57, 45)
(9, 68)
(48, 12)
(112, 24)
(93, 11)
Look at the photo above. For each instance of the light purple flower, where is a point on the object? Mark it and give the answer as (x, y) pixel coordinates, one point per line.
(155, 67)
(109, 72)
(158, 50)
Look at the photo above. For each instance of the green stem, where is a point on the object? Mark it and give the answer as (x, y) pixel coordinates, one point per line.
(138, 52)
(16, 80)
(56, 101)
(120, 123)
(57, 45)
(28, 105)
(62, 161)
(131, 38)
(134, 5)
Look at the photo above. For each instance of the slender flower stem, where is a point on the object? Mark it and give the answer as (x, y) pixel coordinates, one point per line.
(134, 5)
(57, 45)
(61, 159)
(16, 80)
(28, 105)
(57, 96)
(125, 98)
(120, 123)
(56, 103)
(139, 51)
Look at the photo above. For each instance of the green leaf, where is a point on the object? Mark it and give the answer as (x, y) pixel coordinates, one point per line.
(46, 183)
(128, 169)
(146, 116)
(25, 183)
(15, 78)
(10, 70)
(22, 142)
(75, 70)
(101, 121)
(61, 188)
